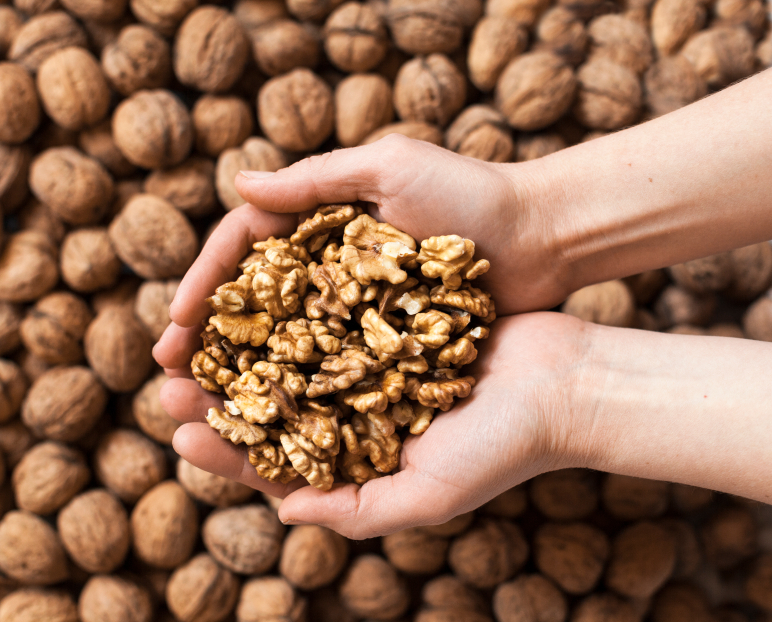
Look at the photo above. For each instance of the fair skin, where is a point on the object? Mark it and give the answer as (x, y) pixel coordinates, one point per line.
(553, 392)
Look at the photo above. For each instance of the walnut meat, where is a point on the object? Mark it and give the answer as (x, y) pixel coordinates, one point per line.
(674, 21)
(128, 463)
(530, 598)
(430, 89)
(481, 132)
(30, 550)
(35, 604)
(671, 83)
(256, 154)
(643, 558)
(109, 598)
(162, 16)
(43, 35)
(609, 95)
(721, 55)
(138, 59)
(495, 42)
(19, 104)
(296, 110)
(94, 529)
(53, 329)
(312, 556)
(632, 498)
(88, 260)
(363, 103)
(270, 598)
(414, 551)
(572, 555)
(372, 588)
(355, 37)
(220, 122)
(610, 304)
(210, 488)
(13, 387)
(283, 45)
(201, 591)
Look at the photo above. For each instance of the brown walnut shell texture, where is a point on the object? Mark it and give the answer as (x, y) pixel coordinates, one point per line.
(201, 591)
(609, 96)
(568, 494)
(30, 550)
(138, 59)
(414, 551)
(151, 418)
(273, 598)
(152, 305)
(752, 272)
(481, 132)
(188, 186)
(526, 12)
(43, 35)
(256, 154)
(128, 463)
(721, 55)
(54, 328)
(529, 597)
(210, 488)
(495, 42)
(363, 103)
(19, 104)
(162, 16)
(97, 10)
(283, 45)
(10, 319)
(312, 556)
(10, 23)
(355, 38)
(221, 122)
(674, 21)
(14, 165)
(609, 304)
(35, 604)
(429, 89)
(426, 26)
(534, 146)
(372, 588)
(672, 82)
(109, 598)
(620, 40)
(571, 554)
(88, 260)
(634, 498)
(97, 142)
(13, 388)
(563, 33)
(311, 10)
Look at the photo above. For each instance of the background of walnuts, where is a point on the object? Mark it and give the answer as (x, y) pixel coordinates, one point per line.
(122, 125)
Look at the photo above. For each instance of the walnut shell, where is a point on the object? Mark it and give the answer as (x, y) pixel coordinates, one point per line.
(53, 329)
(509, 504)
(73, 89)
(114, 599)
(530, 598)
(495, 42)
(646, 285)
(481, 132)
(372, 588)
(534, 146)
(36, 605)
(751, 272)
(758, 585)
(413, 551)
(221, 122)
(10, 320)
(671, 83)
(256, 154)
(97, 10)
(488, 554)
(604, 608)
(94, 529)
(446, 599)
(633, 498)
(163, 16)
(128, 463)
(535, 90)
(43, 35)
(272, 598)
(201, 591)
(15, 441)
(30, 550)
(721, 55)
(10, 24)
(28, 267)
(526, 12)
(750, 14)
(19, 104)
(689, 556)
(312, 556)
(572, 555)
(152, 307)
(355, 37)
(153, 238)
(138, 59)
(620, 40)
(210, 488)
(13, 387)
(296, 110)
(151, 418)
(562, 32)
(680, 601)
(642, 559)
(568, 494)
(88, 260)
(701, 276)
(454, 527)
(123, 295)
(189, 186)
(363, 103)
(283, 45)
(48, 476)
(210, 50)
(311, 10)
(417, 130)
(427, 26)
(255, 13)
(164, 526)
(14, 166)
(674, 21)
(609, 304)
(729, 537)
(98, 143)
(429, 89)
(679, 306)
(119, 349)
(609, 96)
(153, 129)
(245, 539)
(64, 403)
(757, 320)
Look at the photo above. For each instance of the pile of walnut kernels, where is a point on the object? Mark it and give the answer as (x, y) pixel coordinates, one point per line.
(333, 340)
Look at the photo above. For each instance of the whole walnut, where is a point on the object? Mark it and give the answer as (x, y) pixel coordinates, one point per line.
(430, 26)
(417, 130)
(509, 504)
(123, 295)
(620, 40)
(363, 103)
(109, 598)
(609, 304)
(750, 14)
(153, 129)
(689, 557)
(221, 122)
(53, 329)
(73, 89)
(43, 35)
(64, 403)
(721, 55)
(19, 104)
(189, 186)
(455, 526)
(31, 604)
(128, 463)
(283, 45)
(481, 132)
(264, 599)
(674, 21)
(633, 498)
(138, 59)
(77, 188)
(255, 13)
(609, 95)
(97, 10)
(529, 598)
(88, 260)
(371, 588)
(296, 110)
(563, 33)
(701, 276)
(534, 146)
(488, 554)
(245, 539)
(155, 240)
(28, 267)
(495, 42)
(429, 89)
(256, 154)
(729, 537)
(414, 551)
(152, 306)
(10, 320)
(37, 216)
(14, 166)
(758, 584)
(676, 305)
(94, 529)
(201, 591)
(15, 440)
(125, 190)
(210, 50)
(604, 608)
(572, 555)
(10, 23)
(355, 38)
(119, 349)
(48, 476)
(13, 388)
(163, 16)
(98, 143)
(643, 558)
(681, 601)
(446, 599)
(568, 494)
(751, 272)
(526, 12)
(757, 320)
(30, 550)
(210, 488)
(312, 556)
(672, 82)
(535, 90)
(151, 418)
(164, 526)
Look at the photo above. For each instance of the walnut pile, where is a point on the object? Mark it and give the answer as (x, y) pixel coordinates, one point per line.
(335, 344)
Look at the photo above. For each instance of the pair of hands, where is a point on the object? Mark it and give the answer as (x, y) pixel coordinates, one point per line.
(505, 432)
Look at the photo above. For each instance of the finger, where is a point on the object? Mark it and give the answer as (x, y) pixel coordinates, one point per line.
(177, 346)
(178, 372)
(203, 447)
(218, 261)
(186, 401)
(382, 506)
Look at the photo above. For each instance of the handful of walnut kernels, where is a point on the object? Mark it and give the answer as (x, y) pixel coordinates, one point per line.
(333, 345)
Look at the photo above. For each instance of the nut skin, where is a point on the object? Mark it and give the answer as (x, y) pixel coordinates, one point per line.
(609, 96)
(417, 130)
(283, 45)
(256, 154)
(529, 598)
(14, 166)
(109, 598)
(10, 320)
(151, 418)
(64, 403)
(28, 267)
(372, 589)
(48, 476)
(413, 551)
(632, 498)
(220, 123)
(721, 55)
(43, 35)
(481, 132)
(609, 304)
(34, 605)
(671, 83)
(210, 50)
(152, 128)
(73, 89)
(189, 186)
(312, 556)
(429, 89)
(201, 591)
(495, 42)
(19, 104)
(94, 529)
(138, 59)
(162, 16)
(296, 110)
(572, 555)
(30, 550)
(164, 526)
(674, 21)
(53, 329)
(88, 260)
(355, 38)
(363, 103)
(128, 463)
(210, 488)
(13, 387)
(272, 598)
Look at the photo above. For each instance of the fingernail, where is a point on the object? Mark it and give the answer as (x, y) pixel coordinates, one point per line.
(256, 174)
(292, 521)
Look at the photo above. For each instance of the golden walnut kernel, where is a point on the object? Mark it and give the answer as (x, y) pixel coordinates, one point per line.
(312, 556)
(495, 42)
(264, 599)
(363, 103)
(13, 388)
(610, 304)
(429, 89)
(674, 21)
(163, 16)
(642, 559)
(282, 45)
(481, 132)
(450, 258)
(151, 418)
(220, 122)
(30, 550)
(529, 598)
(414, 551)
(53, 329)
(672, 82)
(128, 463)
(210, 488)
(573, 555)
(43, 35)
(563, 33)
(109, 598)
(372, 588)
(138, 59)
(721, 55)
(201, 591)
(355, 37)
(609, 95)
(36, 604)
(19, 105)
(256, 154)
(88, 260)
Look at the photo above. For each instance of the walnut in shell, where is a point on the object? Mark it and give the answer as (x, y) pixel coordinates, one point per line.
(676, 305)
(643, 558)
(529, 597)
(758, 585)
(632, 498)
(751, 272)
(311, 10)
(757, 320)
(671, 83)
(563, 33)
(747, 13)
(10, 23)
(415, 551)
(210, 488)
(269, 598)
(355, 37)
(163, 16)
(110, 598)
(151, 418)
(28, 267)
(13, 387)
(43, 35)
(701, 276)
(568, 494)
(604, 607)
(729, 537)
(481, 132)
(609, 95)
(10, 320)
(220, 122)
(128, 463)
(98, 143)
(256, 154)
(372, 588)
(721, 55)
(363, 103)
(99, 10)
(445, 597)
(427, 26)
(138, 59)
(572, 555)
(495, 42)
(538, 145)
(19, 104)
(14, 165)
(620, 40)
(312, 556)
(283, 45)
(674, 21)
(417, 130)
(152, 305)
(30, 550)
(35, 604)
(610, 304)
(88, 260)
(201, 591)
(429, 89)
(189, 186)
(53, 329)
